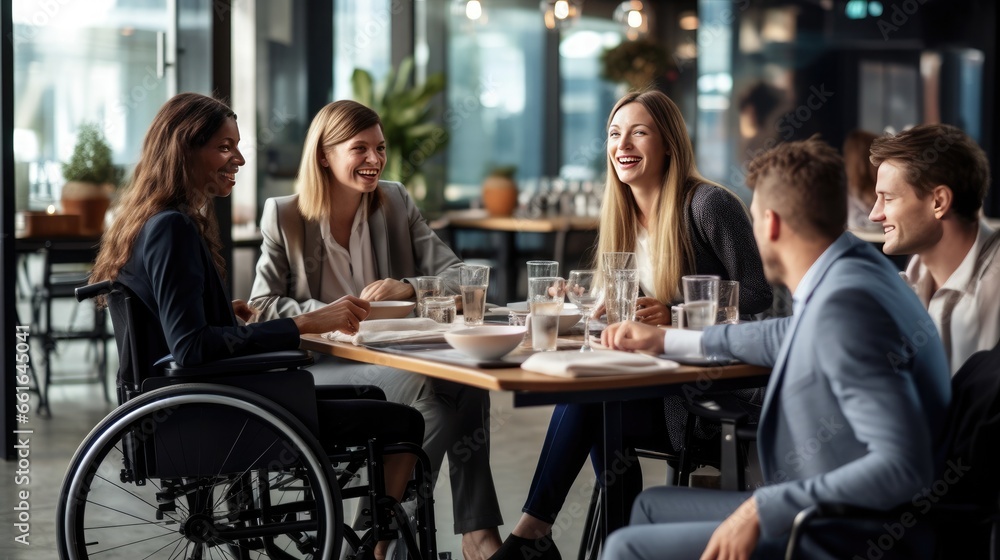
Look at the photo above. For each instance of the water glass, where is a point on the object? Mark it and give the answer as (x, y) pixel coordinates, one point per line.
(545, 301)
(618, 261)
(584, 293)
(426, 286)
(701, 300)
(475, 280)
(538, 269)
(620, 295)
(729, 303)
(440, 309)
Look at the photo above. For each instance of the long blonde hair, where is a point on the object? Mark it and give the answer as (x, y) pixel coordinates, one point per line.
(670, 243)
(335, 123)
(162, 181)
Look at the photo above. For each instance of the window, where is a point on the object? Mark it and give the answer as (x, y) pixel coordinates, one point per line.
(75, 62)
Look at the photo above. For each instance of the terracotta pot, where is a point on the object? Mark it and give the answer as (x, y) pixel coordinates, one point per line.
(90, 201)
(499, 195)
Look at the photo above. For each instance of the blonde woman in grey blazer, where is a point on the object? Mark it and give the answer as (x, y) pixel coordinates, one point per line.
(346, 231)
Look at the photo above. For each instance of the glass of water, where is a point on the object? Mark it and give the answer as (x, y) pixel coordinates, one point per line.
(440, 309)
(475, 280)
(545, 300)
(701, 300)
(729, 303)
(426, 286)
(581, 291)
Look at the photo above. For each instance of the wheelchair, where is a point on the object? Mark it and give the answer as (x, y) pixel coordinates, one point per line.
(222, 461)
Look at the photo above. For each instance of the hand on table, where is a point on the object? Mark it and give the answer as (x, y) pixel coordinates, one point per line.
(651, 312)
(632, 336)
(388, 289)
(344, 315)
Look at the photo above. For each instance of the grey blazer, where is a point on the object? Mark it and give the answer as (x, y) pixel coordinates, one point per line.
(858, 392)
(292, 251)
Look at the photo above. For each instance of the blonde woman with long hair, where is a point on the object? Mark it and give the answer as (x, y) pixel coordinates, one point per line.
(348, 233)
(677, 222)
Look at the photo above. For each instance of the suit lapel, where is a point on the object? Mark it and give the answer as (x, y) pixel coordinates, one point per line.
(312, 243)
(769, 410)
(379, 231)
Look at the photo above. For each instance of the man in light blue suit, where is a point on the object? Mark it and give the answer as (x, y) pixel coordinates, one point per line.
(858, 391)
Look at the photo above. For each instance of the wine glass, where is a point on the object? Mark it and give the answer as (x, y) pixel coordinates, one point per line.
(580, 289)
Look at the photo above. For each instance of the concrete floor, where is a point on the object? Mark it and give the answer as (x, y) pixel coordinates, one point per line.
(76, 409)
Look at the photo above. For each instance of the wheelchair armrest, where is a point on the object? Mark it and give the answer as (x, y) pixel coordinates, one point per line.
(267, 361)
(344, 392)
(93, 290)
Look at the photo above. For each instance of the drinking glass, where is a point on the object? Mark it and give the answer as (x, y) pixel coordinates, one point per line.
(729, 303)
(426, 286)
(475, 280)
(621, 285)
(545, 300)
(542, 268)
(440, 309)
(581, 290)
(701, 300)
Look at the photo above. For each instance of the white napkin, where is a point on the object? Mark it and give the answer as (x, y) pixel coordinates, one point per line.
(572, 363)
(412, 329)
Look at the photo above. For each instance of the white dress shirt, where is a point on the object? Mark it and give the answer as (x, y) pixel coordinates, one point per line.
(644, 263)
(966, 308)
(347, 271)
(679, 342)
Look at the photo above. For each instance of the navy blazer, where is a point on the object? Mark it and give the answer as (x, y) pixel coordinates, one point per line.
(171, 270)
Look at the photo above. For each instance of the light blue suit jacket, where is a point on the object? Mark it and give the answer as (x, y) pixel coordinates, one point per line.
(858, 391)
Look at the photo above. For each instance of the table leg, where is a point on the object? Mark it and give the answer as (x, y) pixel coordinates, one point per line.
(613, 496)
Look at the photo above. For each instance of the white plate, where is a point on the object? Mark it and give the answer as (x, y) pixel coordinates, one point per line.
(390, 309)
(522, 307)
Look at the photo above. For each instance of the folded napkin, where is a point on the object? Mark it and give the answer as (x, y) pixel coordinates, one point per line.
(412, 329)
(601, 362)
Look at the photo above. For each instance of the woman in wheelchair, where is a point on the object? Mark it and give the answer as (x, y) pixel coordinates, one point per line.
(165, 246)
(348, 233)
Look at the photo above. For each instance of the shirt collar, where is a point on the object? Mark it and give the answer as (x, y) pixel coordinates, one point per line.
(360, 217)
(812, 276)
(960, 280)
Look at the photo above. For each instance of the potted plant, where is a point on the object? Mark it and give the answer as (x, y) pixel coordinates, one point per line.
(90, 179)
(500, 190)
(412, 135)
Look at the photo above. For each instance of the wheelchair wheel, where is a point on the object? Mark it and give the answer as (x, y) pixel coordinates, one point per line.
(199, 471)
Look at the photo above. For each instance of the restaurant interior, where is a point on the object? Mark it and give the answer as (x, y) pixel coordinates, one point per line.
(495, 115)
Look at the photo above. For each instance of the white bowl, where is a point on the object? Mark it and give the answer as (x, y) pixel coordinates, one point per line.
(568, 318)
(390, 309)
(487, 342)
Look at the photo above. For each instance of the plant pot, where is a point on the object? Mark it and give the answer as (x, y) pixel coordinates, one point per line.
(90, 201)
(499, 195)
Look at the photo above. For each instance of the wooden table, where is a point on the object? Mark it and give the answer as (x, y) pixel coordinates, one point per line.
(507, 228)
(537, 389)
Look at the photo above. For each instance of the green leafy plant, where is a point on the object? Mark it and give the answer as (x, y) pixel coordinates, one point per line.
(91, 159)
(412, 135)
(505, 170)
(638, 63)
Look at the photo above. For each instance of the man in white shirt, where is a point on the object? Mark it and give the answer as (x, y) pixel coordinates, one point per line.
(932, 180)
(857, 395)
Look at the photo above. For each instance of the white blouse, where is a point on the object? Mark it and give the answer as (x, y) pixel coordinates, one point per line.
(644, 262)
(347, 271)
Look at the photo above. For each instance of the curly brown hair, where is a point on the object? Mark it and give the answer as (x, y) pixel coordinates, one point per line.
(162, 181)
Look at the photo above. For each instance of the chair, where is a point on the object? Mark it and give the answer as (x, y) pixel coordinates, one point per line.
(963, 509)
(222, 460)
(727, 452)
(64, 270)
